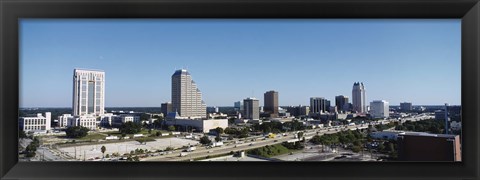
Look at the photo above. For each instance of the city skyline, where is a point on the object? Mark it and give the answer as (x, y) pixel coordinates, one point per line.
(225, 58)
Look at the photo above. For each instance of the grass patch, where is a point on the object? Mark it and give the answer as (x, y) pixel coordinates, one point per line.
(270, 151)
(93, 136)
(209, 156)
(153, 132)
(143, 131)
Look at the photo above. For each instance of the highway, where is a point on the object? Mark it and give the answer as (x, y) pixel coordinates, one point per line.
(203, 151)
(248, 144)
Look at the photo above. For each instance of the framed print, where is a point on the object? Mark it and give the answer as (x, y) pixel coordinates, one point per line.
(239, 89)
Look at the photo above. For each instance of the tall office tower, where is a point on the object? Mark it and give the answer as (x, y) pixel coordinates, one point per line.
(359, 98)
(251, 108)
(319, 105)
(186, 97)
(166, 108)
(238, 106)
(341, 102)
(88, 92)
(379, 109)
(406, 106)
(271, 103)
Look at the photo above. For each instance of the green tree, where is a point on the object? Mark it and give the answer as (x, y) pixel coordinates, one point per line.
(22, 134)
(219, 130)
(218, 139)
(230, 130)
(356, 149)
(157, 124)
(144, 117)
(316, 140)
(300, 135)
(171, 128)
(76, 131)
(130, 128)
(103, 151)
(205, 140)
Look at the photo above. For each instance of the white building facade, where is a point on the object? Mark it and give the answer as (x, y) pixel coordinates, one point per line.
(36, 124)
(124, 118)
(359, 98)
(88, 92)
(186, 97)
(201, 125)
(379, 109)
(88, 121)
(63, 120)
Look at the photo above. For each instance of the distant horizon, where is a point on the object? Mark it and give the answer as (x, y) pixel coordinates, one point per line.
(402, 60)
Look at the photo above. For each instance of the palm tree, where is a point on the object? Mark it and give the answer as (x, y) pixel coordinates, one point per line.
(103, 151)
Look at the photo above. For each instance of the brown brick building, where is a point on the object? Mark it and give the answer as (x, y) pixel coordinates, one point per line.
(271, 103)
(413, 146)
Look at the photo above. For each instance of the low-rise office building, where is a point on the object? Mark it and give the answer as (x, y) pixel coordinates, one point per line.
(124, 118)
(63, 120)
(36, 123)
(88, 121)
(200, 125)
(106, 120)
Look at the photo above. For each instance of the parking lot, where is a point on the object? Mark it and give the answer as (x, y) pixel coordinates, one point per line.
(91, 152)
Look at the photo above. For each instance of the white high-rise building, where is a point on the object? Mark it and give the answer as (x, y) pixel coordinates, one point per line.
(379, 109)
(186, 97)
(251, 108)
(359, 98)
(88, 92)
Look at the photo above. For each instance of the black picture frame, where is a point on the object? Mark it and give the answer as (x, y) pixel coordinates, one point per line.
(13, 10)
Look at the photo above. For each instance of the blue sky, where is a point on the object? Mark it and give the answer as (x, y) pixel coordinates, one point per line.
(415, 61)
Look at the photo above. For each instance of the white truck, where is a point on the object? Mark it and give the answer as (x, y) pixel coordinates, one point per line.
(217, 144)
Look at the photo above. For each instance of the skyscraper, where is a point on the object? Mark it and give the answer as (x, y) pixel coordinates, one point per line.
(271, 103)
(341, 102)
(88, 92)
(250, 106)
(238, 106)
(406, 106)
(359, 98)
(186, 97)
(166, 108)
(379, 109)
(319, 105)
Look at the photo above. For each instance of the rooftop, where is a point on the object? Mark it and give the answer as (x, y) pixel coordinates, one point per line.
(84, 69)
(181, 72)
